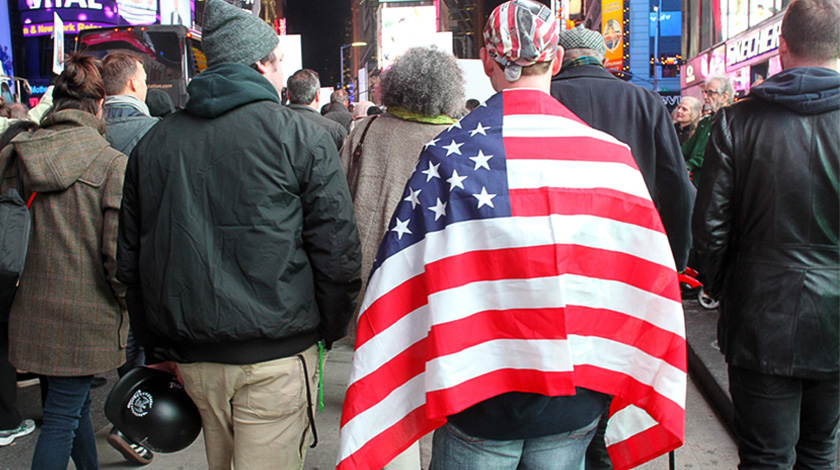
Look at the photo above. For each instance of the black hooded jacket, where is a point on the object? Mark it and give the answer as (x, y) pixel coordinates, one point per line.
(767, 221)
(237, 236)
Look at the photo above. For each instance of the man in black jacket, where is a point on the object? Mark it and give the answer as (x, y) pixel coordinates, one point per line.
(302, 89)
(239, 249)
(635, 116)
(766, 229)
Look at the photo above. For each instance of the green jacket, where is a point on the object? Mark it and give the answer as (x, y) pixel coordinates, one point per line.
(238, 241)
(694, 148)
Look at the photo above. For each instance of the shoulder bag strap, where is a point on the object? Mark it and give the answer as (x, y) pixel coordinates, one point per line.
(353, 167)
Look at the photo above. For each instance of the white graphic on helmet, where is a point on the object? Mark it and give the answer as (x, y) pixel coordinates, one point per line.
(140, 403)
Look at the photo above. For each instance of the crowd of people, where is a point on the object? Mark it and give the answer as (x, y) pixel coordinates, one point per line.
(506, 268)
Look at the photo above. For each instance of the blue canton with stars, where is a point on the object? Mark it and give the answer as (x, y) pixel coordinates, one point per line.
(461, 175)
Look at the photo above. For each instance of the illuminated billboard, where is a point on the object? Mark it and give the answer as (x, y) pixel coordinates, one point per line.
(36, 16)
(405, 27)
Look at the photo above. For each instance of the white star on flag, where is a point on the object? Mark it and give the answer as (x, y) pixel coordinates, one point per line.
(484, 198)
(413, 197)
(432, 172)
(453, 148)
(481, 160)
(456, 180)
(401, 228)
(430, 143)
(479, 129)
(439, 209)
(453, 126)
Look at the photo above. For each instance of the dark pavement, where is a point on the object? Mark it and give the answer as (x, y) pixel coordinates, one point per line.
(708, 445)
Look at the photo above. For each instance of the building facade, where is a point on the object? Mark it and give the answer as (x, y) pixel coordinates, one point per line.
(735, 38)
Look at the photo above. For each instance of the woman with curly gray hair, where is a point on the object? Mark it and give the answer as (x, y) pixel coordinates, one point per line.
(422, 90)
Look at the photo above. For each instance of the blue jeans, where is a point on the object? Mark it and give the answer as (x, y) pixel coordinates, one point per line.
(67, 431)
(454, 450)
(785, 422)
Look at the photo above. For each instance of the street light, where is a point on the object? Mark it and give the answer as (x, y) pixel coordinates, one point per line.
(355, 44)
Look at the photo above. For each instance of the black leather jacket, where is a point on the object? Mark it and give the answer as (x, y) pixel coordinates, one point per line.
(766, 225)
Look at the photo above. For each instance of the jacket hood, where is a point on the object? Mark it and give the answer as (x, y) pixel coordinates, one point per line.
(55, 156)
(223, 87)
(805, 90)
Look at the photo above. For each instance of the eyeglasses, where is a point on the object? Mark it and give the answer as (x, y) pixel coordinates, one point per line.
(711, 92)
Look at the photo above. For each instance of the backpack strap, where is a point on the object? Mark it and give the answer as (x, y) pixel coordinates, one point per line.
(18, 178)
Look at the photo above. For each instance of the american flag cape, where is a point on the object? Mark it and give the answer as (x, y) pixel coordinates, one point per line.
(526, 256)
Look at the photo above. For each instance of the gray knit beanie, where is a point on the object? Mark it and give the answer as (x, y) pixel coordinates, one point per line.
(582, 38)
(231, 34)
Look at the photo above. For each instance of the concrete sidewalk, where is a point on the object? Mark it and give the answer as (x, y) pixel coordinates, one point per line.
(707, 443)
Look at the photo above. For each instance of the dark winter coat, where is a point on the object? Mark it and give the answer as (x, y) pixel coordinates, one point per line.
(767, 225)
(336, 131)
(66, 319)
(339, 113)
(637, 117)
(238, 242)
(126, 125)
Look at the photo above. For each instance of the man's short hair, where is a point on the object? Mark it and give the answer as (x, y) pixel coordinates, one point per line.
(811, 31)
(725, 85)
(117, 68)
(303, 86)
(339, 96)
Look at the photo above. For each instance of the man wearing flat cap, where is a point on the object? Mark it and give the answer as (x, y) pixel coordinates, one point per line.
(239, 249)
(637, 117)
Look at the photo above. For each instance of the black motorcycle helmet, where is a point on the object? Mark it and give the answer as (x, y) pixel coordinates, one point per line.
(152, 409)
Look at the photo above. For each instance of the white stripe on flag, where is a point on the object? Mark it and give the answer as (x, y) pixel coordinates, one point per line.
(626, 423)
(667, 380)
(539, 173)
(390, 342)
(516, 232)
(544, 125)
(376, 419)
(455, 369)
(545, 292)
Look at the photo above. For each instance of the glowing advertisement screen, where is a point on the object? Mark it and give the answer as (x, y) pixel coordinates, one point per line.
(403, 28)
(36, 16)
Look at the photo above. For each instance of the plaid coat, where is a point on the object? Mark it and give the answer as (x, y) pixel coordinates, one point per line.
(67, 319)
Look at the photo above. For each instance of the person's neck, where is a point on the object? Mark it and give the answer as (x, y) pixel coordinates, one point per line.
(791, 61)
(539, 82)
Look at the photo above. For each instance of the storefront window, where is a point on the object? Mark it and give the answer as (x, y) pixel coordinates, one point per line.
(737, 17)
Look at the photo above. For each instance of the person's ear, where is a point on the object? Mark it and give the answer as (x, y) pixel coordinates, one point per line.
(261, 68)
(487, 62)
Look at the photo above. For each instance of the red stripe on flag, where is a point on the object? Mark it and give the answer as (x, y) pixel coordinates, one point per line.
(598, 202)
(642, 447)
(550, 260)
(380, 450)
(659, 343)
(455, 399)
(374, 387)
(586, 149)
(534, 102)
(666, 412)
(556, 323)
(389, 308)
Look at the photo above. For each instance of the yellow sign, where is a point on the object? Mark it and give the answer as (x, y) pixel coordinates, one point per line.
(612, 17)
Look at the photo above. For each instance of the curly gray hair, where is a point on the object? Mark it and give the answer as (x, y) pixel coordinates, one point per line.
(425, 81)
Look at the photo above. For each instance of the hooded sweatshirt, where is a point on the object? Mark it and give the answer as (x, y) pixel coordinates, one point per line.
(804, 90)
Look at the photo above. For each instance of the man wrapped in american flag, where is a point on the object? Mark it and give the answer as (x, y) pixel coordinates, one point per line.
(526, 279)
